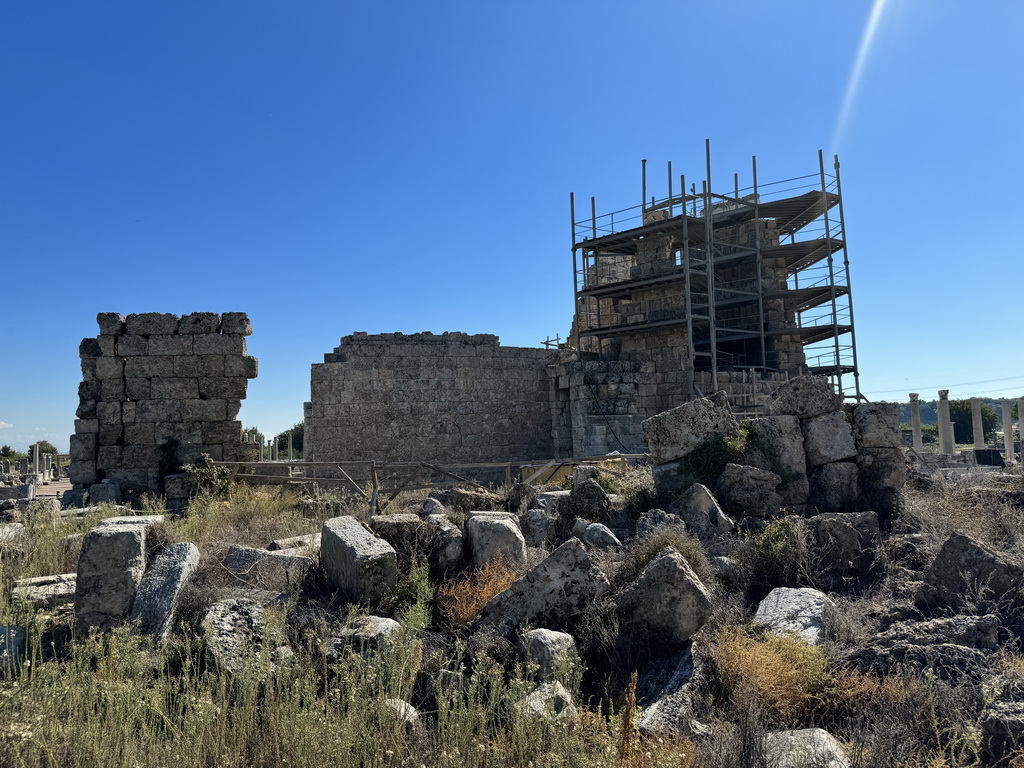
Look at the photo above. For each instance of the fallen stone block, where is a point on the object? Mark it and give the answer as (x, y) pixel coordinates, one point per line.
(491, 537)
(409, 534)
(965, 572)
(550, 594)
(702, 514)
(236, 632)
(356, 562)
(595, 535)
(827, 438)
(553, 652)
(143, 520)
(804, 397)
(659, 521)
(156, 600)
(307, 541)
(674, 433)
(776, 443)
(835, 487)
(446, 554)
(806, 748)
(363, 634)
(260, 569)
(667, 599)
(110, 568)
(846, 547)
(748, 491)
(539, 527)
(46, 591)
(548, 702)
(805, 613)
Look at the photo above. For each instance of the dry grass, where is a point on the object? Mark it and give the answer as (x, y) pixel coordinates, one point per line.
(945, 509)
(249, 516)
(784, 675)
(461, 599)
(640, 554)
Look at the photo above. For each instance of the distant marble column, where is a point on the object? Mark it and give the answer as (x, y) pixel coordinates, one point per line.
(946, 444)
(977, 423)
(289, 446)
(915, 421)
(1007, 406)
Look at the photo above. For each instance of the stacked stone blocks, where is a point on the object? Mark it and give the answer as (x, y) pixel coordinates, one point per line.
(155, 382)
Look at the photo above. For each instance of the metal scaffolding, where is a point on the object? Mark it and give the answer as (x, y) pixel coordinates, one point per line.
(756, 279)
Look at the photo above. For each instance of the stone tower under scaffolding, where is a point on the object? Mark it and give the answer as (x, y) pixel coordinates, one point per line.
(698, 292)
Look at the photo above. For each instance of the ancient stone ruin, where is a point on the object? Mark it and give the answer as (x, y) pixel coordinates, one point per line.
(157, 392)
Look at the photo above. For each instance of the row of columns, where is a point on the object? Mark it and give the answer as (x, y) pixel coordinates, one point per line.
(947, 444)
(269, 451)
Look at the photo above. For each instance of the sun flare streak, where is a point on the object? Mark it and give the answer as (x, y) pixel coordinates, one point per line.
(858, 69)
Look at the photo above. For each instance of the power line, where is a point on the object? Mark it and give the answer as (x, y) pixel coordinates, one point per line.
(949, 386)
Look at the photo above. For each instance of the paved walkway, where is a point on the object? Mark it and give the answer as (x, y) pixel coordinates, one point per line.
(53, 489)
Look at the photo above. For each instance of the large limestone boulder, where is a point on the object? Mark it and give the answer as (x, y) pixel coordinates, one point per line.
(363, 634)
(277, 571)
(846, 547)
(110, 568)
(553, 652)
(655, 521)
(588, 500)
(702, 513)
(156, 601)
(804, 612)
(966, 572)
(539, 527)
(667, 599)
(446, 554)
(835, 487)
(776, 443)
(674, 433)
(748, 491)
(877, 425)
(827, 438)
(491, 537)
(805, 397)
(805, 748)
(407, 533)
(355, 561)
(550, 594)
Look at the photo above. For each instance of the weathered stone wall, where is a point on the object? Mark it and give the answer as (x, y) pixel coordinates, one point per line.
(448, 397)
(154, 378)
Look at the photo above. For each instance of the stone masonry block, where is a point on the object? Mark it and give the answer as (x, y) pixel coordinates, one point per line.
(108, 413)
(150, 323)
(205, 410)
(232, 407)
(89, 348)
(82, 473)
(128, 412)
(108, 457)
(83, 426)
(137, 389)
(111, 323)
(109, 368)
(89, 390)
(107, 344)
(112, 390)
(139, 434)
(877, 425)
(219, 344)
(227, 388)
(183, 432)
(199, 322)
(241, 366)
(156, 599)
(175, 389)
(133, 479)
(111, 435)
(149, 367)
(88, 369)
(236, 322)
(140, 457)
(158, 410)
(110, 567)
(827, 438)
(130, 345)
(199, 366)
(180, 344)
(222, 432)
(356, 562)
(83, 447)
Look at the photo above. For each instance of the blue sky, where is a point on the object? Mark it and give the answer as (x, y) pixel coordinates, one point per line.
(334, 167)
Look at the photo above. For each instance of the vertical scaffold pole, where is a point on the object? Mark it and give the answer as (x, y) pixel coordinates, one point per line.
(709, 244)
(849, 284)
(762, 321)
(575, 268)
(831, 273)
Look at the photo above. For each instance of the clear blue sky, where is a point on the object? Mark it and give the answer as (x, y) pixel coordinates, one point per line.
(334, 167)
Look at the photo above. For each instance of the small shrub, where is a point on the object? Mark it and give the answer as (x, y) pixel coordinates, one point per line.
(208, 477)
(705, 462)
(780, 557)
(461, 599)
(784, 675)
(410, 601)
